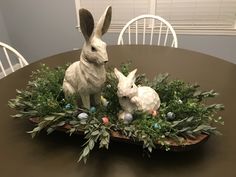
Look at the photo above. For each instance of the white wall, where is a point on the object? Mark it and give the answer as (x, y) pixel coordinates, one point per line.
(40, 28)
(4, 37)
(46, 27)
(223, 47)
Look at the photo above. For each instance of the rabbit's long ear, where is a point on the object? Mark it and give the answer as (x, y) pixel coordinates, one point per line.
(104, 22)
(118, 74)
(86, 23)
(131, 75)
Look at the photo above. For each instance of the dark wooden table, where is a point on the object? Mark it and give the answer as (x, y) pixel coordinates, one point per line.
(55, 155)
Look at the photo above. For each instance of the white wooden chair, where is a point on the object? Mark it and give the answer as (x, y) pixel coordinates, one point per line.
(10, 60)
(148, 29)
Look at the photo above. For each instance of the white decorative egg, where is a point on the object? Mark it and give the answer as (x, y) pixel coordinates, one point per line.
(83, 116)
(128, 118)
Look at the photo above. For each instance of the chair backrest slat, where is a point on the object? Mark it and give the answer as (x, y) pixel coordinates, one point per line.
(21, 64)
(173, 43)
(159, 36)
(167, 31)
(129, 35)
(8, 52)
(136, 36)
(8, 59)
(3, 70)
(147, 24)
(152, 28)
(144, 30)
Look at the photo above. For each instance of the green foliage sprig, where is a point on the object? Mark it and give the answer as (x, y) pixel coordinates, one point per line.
(183, 113)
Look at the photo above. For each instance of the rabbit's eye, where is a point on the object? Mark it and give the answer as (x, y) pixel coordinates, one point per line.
(132, 86)
(93, 49)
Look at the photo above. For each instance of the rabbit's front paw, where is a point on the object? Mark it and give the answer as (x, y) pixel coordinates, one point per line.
(136, 101)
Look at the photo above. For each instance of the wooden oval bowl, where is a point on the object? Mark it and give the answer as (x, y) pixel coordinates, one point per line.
(186, 145)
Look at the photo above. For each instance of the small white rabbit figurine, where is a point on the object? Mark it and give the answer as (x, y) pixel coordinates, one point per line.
(132, 97)
(88, 75)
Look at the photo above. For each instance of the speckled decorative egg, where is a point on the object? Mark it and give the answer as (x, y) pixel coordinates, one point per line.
(68, 106)
(156, 126)
(105, 120)
(92, 110)
(128, 118)
(170, 116)
(83, 116)
(154, 113)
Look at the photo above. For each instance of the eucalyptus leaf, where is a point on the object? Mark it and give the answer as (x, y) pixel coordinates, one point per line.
(83, 122)
(91, 144)
(190, 119)
(184, 129)
(49, 118)
(203, 127)
(149, 148)
(60, 114)
(81, 157)
(36, 129)
(190, 134)
(95, 133)
(86, 151)
(197, 93)
(50, 130)
(18, 91)
(61, 123)
(18, 115)
(105, 133)
(72, 130)
(177, 122)
(73, 122)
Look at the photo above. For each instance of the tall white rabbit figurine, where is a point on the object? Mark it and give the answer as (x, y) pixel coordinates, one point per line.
(87, 76)
(132, 97)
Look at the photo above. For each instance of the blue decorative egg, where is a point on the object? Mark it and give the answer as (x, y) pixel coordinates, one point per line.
(128, 118)
(170, 115)
(83, 116)
(68, 106)
(92, 110)
(156, 126)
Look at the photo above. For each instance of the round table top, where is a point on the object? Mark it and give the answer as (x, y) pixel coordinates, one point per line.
(56, 154)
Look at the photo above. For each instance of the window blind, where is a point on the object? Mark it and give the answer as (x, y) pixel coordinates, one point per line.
(198, 13)
(186, 16)
(122, 10)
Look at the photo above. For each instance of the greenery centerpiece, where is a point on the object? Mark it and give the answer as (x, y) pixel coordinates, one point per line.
(183, 114)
